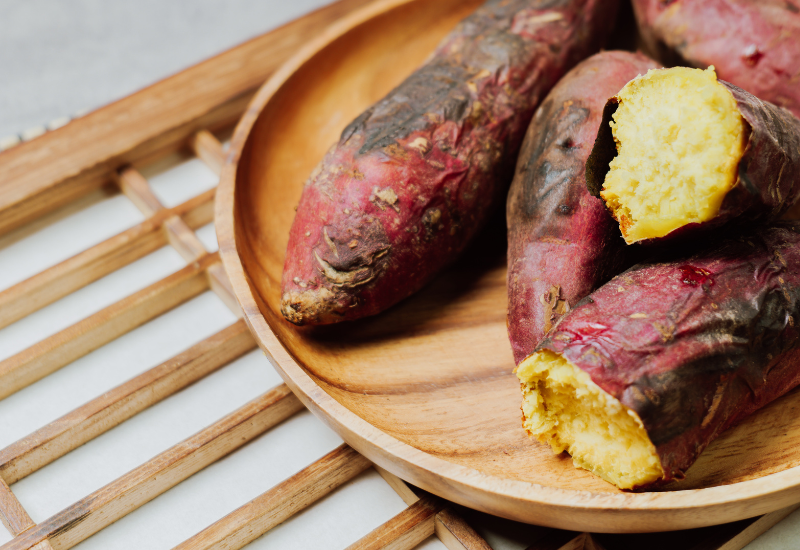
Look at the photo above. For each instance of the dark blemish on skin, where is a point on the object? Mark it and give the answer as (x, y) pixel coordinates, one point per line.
(439, 88)
(546, 183)
(564, 209)
(566, 143)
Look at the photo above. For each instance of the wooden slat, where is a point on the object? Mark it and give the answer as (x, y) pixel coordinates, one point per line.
(450, 527)
(456, 534)
(106, 505)
(184, 239)
(14, 517)
(399, 486)
(406, 530)
(755, 529)
(50, 171)
(729, 536)
(209, 150)
(90, 265)
(221, 285)
(280, 503)
(12, 514)
(58, 350)
(135, 186)
(115, 406)
(178, 233)
(91, 198)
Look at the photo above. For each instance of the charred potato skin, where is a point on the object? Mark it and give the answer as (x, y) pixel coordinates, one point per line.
(414, 178)
(562, 244)
(751, 43)
(768, 175)
(694, 345)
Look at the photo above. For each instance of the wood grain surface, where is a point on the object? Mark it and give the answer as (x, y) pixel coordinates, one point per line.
(426, 389)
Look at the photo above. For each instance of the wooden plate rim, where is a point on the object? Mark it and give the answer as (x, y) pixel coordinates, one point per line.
(514, 499)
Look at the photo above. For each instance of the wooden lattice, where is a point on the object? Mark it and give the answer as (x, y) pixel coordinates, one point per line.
(54, 173)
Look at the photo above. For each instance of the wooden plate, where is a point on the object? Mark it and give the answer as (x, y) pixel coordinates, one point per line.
(425, 390)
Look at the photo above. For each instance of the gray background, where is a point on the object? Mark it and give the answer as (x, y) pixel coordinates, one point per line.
(60, 57)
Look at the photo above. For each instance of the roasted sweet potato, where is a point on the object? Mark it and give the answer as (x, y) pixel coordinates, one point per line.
(686, 153)
(754, 44)
(645, 372)
(562, 244)
(414, 177)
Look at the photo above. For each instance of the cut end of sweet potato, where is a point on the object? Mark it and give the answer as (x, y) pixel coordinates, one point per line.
(309, 307)
(679, 137)
(561, 406)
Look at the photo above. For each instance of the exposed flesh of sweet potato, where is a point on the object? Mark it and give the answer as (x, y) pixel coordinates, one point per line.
(689, 347)
(688, 153)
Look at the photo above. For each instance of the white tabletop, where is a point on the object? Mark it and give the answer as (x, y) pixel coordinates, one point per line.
(58, 58)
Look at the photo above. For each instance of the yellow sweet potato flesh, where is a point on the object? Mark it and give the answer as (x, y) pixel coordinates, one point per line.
(561, 406)
(679, 138)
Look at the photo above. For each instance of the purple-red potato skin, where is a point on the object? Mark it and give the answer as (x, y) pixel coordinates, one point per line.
(562, 244)
(754, 44)
(415, 177)
(768, 175)
(694, 345)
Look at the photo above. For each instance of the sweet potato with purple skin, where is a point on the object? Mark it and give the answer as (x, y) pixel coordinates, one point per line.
(764, 180)
(754, 44)
(562, 244)
(693, 345)
(414, 178)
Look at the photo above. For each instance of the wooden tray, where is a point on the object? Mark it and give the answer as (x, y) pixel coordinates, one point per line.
(426, 389)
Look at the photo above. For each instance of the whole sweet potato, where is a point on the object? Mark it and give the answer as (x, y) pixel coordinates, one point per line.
(754, 44)
(414, 177)
(562, 244)
(688, 348)
(673, 168)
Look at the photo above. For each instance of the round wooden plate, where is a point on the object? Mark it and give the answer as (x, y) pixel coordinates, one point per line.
(426, 389)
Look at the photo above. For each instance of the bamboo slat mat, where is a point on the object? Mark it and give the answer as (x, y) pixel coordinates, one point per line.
(104, 153)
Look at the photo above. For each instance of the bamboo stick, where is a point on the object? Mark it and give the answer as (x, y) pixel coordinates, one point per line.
(12, 514)
(406, 530)
(136, 187)
(261, 514)
(757, 528)
(51, 354)
(449, 527)
(184, 239)
(457, 534)
(99, 415)
(221, 285)
(209, 150)
(120, 497)
(98, 261)
(178, 233)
